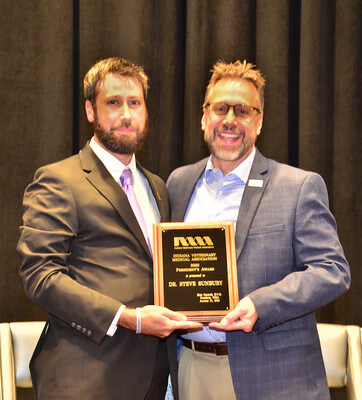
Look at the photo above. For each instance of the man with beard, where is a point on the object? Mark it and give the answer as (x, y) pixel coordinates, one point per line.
(289, 258)
(87, 257)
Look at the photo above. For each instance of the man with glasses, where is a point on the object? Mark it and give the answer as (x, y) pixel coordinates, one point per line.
(289, 258)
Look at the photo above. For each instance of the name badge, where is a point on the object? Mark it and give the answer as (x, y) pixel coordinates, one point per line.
(255, 183)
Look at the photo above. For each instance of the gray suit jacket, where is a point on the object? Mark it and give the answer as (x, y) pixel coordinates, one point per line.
(83, 255)
(290, 262)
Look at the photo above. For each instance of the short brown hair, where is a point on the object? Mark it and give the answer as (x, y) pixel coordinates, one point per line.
(240, 70)
(113, 65)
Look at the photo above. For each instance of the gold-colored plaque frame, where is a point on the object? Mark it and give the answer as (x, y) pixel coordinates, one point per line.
(195, 255)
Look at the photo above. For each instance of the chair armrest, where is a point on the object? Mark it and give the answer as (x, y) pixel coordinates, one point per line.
(354, 363)
(333, 339)
(7, 367)
(25, 336)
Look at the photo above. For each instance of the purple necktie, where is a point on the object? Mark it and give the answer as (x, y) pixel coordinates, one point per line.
(126, 181)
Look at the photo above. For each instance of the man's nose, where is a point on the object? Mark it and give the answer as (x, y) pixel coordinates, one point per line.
(125, 111)
(230, 117)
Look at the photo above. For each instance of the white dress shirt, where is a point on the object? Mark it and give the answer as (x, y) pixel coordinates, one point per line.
(143, 193)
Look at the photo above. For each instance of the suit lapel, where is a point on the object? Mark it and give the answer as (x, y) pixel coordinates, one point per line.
(162, 203)
(254, 189)
(102, 180)
(187, 189)
(249, 204)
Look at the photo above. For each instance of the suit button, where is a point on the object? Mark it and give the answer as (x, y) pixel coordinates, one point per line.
(84, 330)
(73, 324)
(79, 328)
(89, 333)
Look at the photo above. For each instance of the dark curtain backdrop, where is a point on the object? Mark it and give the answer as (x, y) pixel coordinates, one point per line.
(309, 50)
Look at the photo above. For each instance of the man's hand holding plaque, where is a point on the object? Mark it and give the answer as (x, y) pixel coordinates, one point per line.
(156, 321)
(242, 318)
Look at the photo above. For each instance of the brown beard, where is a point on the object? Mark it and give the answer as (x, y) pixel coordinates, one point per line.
(120, 145)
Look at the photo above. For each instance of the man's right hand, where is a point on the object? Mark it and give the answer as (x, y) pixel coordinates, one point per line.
(156, 321)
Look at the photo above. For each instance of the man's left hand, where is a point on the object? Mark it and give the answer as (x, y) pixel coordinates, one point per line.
(243, 317)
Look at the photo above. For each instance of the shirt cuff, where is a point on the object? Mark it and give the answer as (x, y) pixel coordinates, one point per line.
(112, 329)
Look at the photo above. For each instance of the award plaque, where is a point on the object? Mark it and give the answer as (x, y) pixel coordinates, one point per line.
(195, 269)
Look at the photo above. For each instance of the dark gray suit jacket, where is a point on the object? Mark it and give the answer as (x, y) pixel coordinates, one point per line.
(83, 255)
(290, 262)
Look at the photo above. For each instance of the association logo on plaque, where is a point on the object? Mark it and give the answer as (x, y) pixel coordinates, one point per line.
(195, 269)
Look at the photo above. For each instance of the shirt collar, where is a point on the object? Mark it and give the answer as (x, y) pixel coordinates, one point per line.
(113, 165)
(242, 171)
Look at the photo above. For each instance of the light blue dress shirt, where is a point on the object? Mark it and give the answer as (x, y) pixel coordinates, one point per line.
(217, 198)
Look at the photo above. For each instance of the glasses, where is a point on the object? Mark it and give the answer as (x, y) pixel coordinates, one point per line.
(240, 110)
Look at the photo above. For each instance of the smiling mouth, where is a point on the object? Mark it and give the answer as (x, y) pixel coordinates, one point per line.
(229, 136)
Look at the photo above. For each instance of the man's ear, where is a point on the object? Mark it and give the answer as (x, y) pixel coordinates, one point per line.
(259, 124)
(203, 123)
(89, 111)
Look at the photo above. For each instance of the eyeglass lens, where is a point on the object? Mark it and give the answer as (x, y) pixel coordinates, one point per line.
(240, 110)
